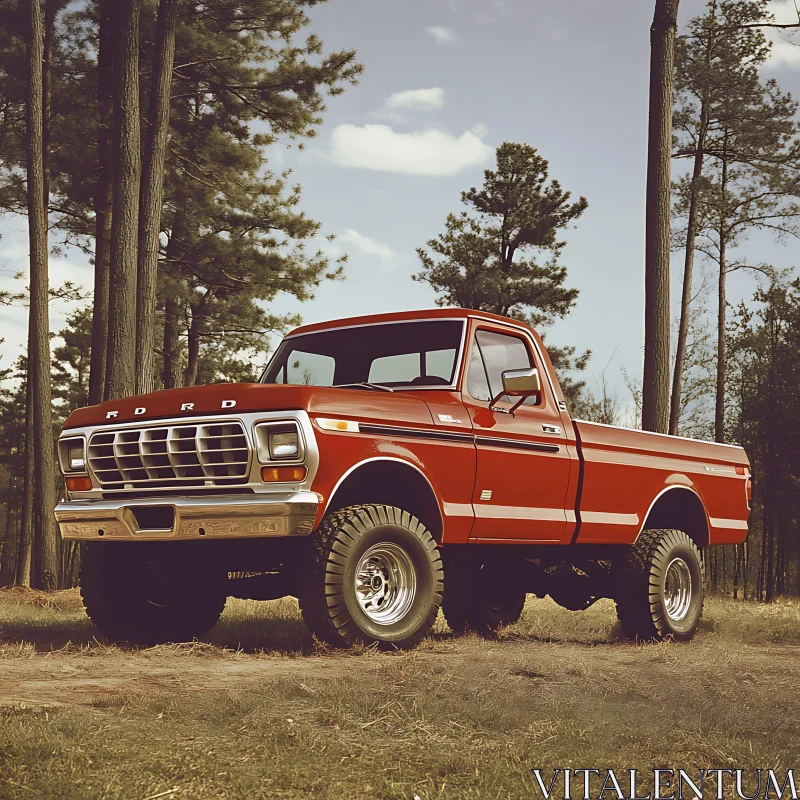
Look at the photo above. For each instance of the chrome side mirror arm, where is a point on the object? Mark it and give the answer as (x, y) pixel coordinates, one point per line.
(522, 383)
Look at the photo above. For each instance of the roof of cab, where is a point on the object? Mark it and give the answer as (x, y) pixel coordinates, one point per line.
(404, 316)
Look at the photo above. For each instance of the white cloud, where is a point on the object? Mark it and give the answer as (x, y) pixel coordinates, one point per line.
(429, 152)
(367, 246)
(442, 35)
(416, 99)
(785, 42)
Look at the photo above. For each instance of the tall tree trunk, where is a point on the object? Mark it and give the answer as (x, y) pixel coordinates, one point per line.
(39, 357)
(719, 405)
(745, 564)
(47, 93)
(655, 385)
(173, 376)
(121, 356)
(691, 236)
(152, 191)
(770, 568)
(173, 305)
(26, 532)
(193, 344)
(8, 563)
(103, 198)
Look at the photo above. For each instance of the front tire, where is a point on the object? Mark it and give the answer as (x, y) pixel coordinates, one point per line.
(660, 587)
(375, 576)
(150, 594)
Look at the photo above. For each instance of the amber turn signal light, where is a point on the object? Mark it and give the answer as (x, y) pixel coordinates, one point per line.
(283, 474)
(79, 484)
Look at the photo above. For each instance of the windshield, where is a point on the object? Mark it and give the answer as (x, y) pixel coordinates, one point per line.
(394, 355)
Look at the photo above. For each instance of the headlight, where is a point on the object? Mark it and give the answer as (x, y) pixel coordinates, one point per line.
(73, 455)
(284, 445)
(279, 441)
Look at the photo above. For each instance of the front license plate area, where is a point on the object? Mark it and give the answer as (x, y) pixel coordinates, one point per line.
(154, 518)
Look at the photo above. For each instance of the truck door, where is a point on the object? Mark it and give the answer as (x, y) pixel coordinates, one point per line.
(523, 466)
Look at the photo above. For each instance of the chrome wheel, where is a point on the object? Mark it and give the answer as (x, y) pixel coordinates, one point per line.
(385, 583)
(677, 589)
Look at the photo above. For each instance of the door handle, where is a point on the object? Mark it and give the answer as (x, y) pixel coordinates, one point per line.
(551, 429)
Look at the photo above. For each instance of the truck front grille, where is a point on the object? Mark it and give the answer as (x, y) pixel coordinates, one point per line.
(203, 455)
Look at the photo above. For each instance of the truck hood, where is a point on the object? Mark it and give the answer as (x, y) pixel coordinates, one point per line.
(231, 399)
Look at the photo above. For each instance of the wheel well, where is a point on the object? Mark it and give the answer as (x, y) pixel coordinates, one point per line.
(682, 510)
(391, 483)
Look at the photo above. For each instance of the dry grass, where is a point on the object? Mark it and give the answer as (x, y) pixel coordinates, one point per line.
(261, 712)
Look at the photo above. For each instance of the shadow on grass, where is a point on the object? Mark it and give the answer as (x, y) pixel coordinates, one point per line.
(286, 637)
(52, 622)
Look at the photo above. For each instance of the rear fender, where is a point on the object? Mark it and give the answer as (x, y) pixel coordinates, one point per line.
(680, 507)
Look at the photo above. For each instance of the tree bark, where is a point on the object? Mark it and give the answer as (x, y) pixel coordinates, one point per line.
(655, 386)
(8, 563)
(152, 191)
(26, 532)
(173, 375)
(719, 404)
(103, 198)
(172, 344)
(47, 93)
(39, 356)
(193, 344)
(121, 355)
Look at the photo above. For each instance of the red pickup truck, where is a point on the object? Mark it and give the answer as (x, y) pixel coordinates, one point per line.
(384, 467)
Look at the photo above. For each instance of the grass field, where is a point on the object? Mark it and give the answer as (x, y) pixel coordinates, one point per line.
(258, 711)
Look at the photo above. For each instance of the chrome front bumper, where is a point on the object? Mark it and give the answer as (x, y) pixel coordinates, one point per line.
(212, 517)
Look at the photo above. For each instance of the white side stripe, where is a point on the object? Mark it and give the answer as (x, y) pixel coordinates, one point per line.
(731, 524)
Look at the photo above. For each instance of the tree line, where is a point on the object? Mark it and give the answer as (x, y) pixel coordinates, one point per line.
(139, 132)
(735, 380)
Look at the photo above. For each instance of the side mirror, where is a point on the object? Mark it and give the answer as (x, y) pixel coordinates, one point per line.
(522, 383)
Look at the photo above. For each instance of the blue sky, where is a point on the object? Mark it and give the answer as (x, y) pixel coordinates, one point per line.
(445, 82)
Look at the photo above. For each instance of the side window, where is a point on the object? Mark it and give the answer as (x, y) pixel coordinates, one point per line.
(500, 353)
(477, 384)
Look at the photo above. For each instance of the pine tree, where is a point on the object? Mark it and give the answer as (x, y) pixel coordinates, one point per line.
(485, 258)
(740, 130)
(765, 351)
(233, 227)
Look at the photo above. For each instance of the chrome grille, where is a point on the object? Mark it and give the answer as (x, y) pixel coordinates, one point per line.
(208, 454)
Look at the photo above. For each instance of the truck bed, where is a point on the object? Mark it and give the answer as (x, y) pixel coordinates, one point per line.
(625, 473)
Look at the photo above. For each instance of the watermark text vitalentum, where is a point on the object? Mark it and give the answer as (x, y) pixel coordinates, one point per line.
(666, 784)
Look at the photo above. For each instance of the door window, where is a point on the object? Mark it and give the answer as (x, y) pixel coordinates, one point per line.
(492, 355)
(477, 382)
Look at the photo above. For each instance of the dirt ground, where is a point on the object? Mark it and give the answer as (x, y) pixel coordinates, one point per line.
(259, 710)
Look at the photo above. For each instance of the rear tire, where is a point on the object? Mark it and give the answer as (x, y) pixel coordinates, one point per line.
(660, 587)
(375, 577)
(482, 598)
(149, 595)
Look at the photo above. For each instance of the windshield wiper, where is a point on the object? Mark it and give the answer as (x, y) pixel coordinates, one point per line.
(363, 385)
